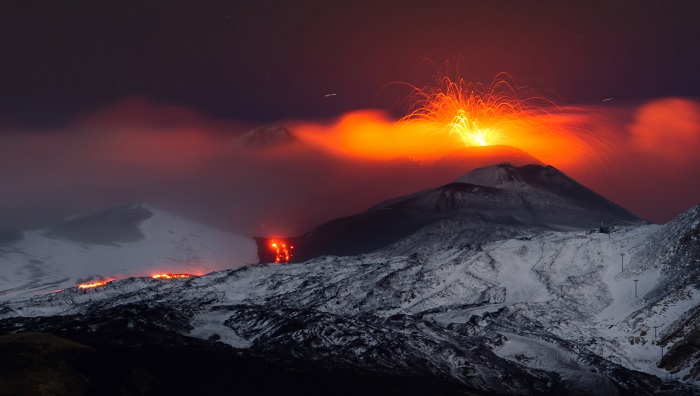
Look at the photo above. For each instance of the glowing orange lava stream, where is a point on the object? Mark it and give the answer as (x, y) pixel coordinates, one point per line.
(170, 276)
(93, 284)
(282, 253)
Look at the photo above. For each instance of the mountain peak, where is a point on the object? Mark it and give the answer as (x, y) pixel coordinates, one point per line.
(547, 188)
(507, 176)
(497, 176)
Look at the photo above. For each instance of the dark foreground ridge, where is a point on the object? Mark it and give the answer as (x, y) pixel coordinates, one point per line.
(130, 363)
(538, 314)
(440, 322)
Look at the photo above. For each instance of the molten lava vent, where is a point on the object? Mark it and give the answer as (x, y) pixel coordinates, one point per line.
(282, 252)
(476, 114)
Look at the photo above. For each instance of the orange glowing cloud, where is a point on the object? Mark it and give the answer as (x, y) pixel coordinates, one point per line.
(191, 164)
(455, 115)
(668, 128)
(372, 134)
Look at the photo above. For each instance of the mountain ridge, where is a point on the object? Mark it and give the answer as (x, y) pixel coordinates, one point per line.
(544, 199)
(550, 313)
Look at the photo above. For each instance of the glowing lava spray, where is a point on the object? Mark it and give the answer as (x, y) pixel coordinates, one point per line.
(477, 114)
(282, 253)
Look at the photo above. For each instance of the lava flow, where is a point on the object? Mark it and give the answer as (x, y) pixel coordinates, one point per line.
(282, 253)
(93, 284)
(170, 276)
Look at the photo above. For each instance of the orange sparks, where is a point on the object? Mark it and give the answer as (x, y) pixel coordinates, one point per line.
(170, 276)
(282, 253)
(500, 113)
(456, 113)
(93, 284)
(477, 115)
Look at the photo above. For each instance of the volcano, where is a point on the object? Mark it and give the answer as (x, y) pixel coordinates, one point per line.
(492, 284)
(485, 204)
(547, 313)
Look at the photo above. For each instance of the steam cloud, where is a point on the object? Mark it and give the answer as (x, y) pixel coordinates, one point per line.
(642, 156)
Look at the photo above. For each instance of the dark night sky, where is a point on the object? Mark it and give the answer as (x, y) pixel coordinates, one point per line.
(268, 60)
(109, 102)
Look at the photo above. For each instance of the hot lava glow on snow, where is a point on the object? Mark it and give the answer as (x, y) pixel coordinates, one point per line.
(93, 285)
(170, 276)
(282, 253)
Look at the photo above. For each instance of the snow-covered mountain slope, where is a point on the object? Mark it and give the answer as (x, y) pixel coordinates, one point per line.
(671, 307)
(132, 240)
(551, 313)
(485, 204)
(551, 196)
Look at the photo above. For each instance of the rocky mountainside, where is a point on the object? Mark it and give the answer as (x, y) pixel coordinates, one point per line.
(496, 202)
(502, 287)
(542, 314)
(670, 308)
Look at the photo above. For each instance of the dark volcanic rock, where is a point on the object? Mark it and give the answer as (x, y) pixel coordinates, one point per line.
(41, 364)
(486, 204)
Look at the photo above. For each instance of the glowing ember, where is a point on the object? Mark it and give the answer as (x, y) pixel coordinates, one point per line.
(477, 115)
(93, 284)
(170, 276)
(282, 253)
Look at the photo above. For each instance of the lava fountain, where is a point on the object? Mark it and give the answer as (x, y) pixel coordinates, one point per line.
(453, 114)
(282, 253)
(500, 113)
(477, 114)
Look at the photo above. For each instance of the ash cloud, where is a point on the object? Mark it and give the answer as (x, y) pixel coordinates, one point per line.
(659, 163)
(643, 157)
(182, 161)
